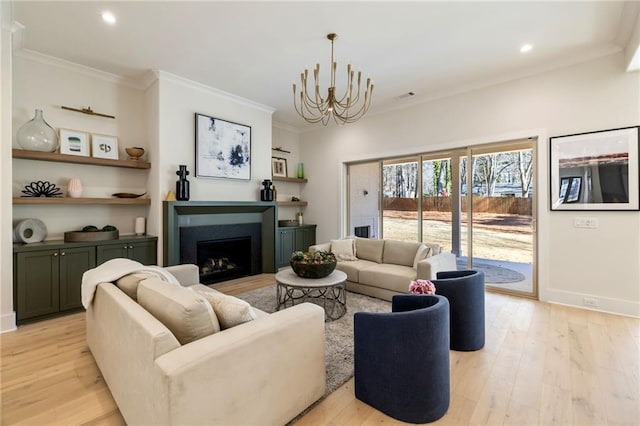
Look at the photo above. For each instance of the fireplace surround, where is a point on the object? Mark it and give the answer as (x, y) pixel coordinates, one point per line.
(220, 220)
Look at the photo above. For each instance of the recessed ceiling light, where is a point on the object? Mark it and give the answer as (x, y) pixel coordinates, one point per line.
(525, 48)
(108, 17)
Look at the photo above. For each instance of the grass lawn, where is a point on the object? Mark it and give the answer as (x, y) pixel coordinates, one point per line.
(495, 236)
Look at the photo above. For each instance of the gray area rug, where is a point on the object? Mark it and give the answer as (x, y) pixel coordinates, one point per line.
(338, 334)
(492, 273)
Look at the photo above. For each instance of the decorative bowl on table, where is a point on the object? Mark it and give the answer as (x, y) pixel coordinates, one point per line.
(318, 264)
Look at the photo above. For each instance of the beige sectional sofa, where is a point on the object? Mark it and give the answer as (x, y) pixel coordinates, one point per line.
(383, 268)
(264, 371)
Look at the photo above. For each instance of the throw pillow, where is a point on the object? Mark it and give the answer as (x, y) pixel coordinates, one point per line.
(370, 249)
(230, 310)
(343, 249)
(129, 283)
(185, 313)
(421, 254)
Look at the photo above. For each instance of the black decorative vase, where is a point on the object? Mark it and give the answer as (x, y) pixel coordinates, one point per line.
(182, 185)
(266, 193)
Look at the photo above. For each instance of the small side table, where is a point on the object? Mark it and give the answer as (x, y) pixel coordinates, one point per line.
(329, 292)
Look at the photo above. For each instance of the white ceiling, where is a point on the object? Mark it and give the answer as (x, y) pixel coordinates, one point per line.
(257, 49)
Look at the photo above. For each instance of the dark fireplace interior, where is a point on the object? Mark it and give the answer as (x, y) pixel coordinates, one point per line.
(221, 260)
(222, 252)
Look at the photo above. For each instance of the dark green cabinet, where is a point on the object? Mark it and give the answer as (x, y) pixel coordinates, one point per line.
(73, 264)
(48, 281)
(48, 275)
(294, 238)
(286, 240)
(144, 252)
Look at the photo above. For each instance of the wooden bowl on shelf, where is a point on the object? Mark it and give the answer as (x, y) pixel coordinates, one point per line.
(135, 152)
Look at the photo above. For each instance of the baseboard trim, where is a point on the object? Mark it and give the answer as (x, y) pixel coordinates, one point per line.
(8, 322)
(605, 304)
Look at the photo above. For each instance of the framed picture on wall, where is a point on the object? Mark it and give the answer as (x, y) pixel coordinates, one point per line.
(278, 167)
(223, 148)
(74, 142)
(104, 146)
(595, 170)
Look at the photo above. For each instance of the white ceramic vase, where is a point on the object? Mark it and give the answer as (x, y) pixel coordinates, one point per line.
(74, 190)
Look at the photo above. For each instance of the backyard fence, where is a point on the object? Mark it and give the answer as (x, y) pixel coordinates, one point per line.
(501, 205)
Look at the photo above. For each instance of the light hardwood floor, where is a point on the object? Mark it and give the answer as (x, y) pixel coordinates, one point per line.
(542, 364)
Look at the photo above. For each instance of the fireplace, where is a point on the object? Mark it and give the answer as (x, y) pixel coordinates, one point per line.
(224, 259)
(188, 224)
(222, 252)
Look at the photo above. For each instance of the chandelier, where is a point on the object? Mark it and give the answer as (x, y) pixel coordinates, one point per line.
(347, 109)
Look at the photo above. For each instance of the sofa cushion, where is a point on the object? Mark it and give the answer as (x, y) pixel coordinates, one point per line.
(400, 252)
(129, 283)
(187, 314)
(352, 269)
(369, 249)
(435, 249)
(343, 249)
(230, 310)
(388, 276)
(422, 253)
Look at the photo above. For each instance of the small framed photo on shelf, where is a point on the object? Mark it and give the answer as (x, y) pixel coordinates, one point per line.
(104, 146)
(73, 142)
(278, 167)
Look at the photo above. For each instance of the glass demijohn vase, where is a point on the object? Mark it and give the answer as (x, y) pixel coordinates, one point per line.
(37, 135)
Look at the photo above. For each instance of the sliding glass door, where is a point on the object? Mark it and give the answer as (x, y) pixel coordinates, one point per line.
(476, 202)
(400, 189)
(501, 235)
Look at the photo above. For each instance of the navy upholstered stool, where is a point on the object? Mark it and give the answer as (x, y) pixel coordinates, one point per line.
(465, 292)
(401, 358)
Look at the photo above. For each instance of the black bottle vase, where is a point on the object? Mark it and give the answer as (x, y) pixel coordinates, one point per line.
(266, 193)
(182, 185)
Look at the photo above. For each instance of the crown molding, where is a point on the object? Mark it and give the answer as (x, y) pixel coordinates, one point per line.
(164, 75)
(286, 127)
(75, 67)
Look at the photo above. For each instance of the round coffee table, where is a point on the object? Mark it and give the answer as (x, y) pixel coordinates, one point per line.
(329, 292)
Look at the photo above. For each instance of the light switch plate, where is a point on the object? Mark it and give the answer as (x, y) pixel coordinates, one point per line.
(585, 222)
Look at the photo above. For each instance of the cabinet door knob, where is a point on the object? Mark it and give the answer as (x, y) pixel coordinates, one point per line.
(130, 247)
(55, 254)
(124, 247)
(62, 254)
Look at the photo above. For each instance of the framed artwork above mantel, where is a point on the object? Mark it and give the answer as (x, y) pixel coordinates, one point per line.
(223, 148)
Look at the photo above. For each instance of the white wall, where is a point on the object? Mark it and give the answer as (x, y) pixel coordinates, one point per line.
(573, 263)
(7, 314)
(364, 208)
(288, 139)
(179, 99)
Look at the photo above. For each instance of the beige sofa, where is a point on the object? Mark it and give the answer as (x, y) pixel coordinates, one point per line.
(265, 371)
(383, 268)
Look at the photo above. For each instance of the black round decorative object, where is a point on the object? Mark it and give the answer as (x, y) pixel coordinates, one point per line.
(182, 185)
(41, 189)
(312, 270)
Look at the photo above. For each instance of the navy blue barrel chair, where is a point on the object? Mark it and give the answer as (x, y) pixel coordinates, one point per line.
(465, 292)
(401, 358)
